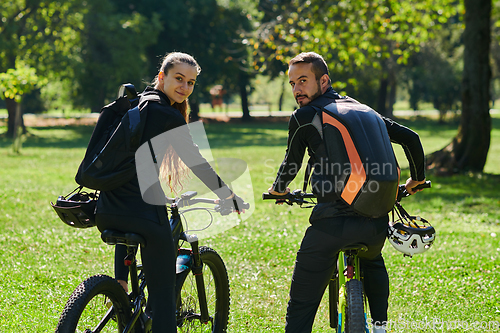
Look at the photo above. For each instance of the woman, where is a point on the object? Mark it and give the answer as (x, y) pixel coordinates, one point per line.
(124, 209)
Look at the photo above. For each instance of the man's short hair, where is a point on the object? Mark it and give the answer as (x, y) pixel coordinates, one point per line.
(319, 67)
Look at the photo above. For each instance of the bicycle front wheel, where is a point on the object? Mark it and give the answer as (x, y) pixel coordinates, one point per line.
(98, 304)
(355, 314)
(217, 295)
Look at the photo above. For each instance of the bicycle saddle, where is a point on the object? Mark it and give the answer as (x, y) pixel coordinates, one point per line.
(113, 237)
(359, 247)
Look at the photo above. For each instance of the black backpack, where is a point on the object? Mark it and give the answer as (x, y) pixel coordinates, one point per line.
(361, 161)
(109, 161)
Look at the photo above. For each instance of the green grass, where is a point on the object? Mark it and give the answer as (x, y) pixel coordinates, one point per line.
(43, 260)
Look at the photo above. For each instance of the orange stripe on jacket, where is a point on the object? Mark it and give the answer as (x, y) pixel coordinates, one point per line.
(358, 174)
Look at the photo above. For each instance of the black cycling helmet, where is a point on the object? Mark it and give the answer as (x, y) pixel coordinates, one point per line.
(77, 209)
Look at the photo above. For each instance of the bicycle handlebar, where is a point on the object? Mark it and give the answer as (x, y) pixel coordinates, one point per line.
(403, 193)
(187, 199)
(300, 197)
(290, 198)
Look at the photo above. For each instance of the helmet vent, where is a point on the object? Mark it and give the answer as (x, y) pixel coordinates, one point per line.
(414, 244)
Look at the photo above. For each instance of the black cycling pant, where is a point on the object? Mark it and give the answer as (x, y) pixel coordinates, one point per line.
(158, 262)
(317, 260)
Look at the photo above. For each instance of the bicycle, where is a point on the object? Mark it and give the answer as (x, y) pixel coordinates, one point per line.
(100, 304)
(347, 300)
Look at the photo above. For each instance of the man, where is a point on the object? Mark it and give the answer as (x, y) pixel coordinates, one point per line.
(334, 224)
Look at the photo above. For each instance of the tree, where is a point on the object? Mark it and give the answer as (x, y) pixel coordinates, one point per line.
(13, 85)
(495, 53)
(356, 35)
(210, 31)
(113, 51)
(216, 38)
(434, 74)
(469, 149)
(41, 34)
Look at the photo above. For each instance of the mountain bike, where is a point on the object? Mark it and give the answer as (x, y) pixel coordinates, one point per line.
(100, 304)
(347, 300)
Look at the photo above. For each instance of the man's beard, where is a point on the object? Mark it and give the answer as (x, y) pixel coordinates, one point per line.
(312, 98)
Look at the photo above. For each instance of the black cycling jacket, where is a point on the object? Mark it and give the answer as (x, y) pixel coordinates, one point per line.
(161, 117)
(304, 130)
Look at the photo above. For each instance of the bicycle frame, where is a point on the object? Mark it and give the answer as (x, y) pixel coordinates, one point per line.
(348, 267)
(197, 267)
(138, 282)
(137, 294)
(100, 300)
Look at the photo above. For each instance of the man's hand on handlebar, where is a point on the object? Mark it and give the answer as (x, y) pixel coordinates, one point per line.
(273, 192)
(410, 184)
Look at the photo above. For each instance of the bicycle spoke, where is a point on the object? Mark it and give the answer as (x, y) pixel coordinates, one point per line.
(92, 319)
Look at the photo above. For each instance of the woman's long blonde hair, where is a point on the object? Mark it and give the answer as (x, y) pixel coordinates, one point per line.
(172, 170)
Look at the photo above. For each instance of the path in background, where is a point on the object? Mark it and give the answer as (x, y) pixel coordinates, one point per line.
(239, 114)
(43, 120)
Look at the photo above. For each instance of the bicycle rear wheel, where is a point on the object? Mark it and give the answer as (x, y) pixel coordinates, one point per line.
(89, 309)
(217, 293)
(355, 315)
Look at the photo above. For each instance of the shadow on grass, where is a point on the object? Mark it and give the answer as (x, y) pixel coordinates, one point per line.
(258, 132)
(220, 135)
(228, 135)
(433, 125)
(53, 137)
(469, 194)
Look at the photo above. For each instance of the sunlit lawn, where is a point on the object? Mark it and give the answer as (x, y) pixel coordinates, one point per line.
(43, 260)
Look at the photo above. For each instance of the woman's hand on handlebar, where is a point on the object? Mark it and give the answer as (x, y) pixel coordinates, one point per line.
(233, 204)
(273, 192)
(411, 184)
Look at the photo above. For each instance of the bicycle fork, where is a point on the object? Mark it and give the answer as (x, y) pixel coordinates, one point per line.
(347, 269)
(197, 264)
(197, 270)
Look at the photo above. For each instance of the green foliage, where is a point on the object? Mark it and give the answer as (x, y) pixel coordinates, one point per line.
(56, 94)
(351, 35)
(113, 51)
(43, 34)
(216, 39)
(434, 74)
(271, 92)
(17, 82)
(125, 41)
(495, 50)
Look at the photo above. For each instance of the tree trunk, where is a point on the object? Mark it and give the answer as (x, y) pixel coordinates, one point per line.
(391, 100)
(282, 94)
(12, 109)
(18, 130)
(98, 101)
(382, 95)
(469, 149)
(243, 82)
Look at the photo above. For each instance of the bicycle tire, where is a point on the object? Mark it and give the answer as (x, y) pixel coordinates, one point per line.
(355, 316)
(217, 292)
(88, 305)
